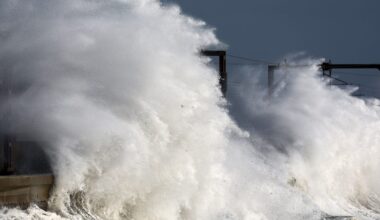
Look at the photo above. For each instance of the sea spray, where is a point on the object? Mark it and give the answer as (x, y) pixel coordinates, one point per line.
(130, 114)
(136, 127)
(329, 137)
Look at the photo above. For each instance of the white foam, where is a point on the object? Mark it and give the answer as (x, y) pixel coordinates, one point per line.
(136, 127)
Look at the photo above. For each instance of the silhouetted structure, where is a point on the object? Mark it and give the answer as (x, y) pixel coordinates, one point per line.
(328, 66)
(222, 66)
(325, 67)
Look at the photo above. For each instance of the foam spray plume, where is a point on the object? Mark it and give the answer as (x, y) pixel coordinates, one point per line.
(329, 137)
(136, 127)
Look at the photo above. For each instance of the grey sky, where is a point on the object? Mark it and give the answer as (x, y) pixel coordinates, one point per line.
(340, 30)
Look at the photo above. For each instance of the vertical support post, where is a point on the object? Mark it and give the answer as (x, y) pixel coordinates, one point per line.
(223, 72)
(271, 69)
(222, 67)
(328, 74)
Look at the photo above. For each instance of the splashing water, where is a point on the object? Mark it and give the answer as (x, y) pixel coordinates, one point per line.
(136, 128)
(329, 138)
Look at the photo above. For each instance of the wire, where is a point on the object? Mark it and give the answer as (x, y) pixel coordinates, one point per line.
(261, 62)
(361, 87)
(295, 66)
(340, 80)
(264, 62)
(245, 64)
(250, 59)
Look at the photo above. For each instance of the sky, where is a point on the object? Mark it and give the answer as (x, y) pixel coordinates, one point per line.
(343, 31)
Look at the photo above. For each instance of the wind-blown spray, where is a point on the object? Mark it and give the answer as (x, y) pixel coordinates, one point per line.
(136, 127)
(329, 137)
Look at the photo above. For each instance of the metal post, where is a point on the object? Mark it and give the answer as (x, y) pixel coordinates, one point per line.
(271, 69)
(223, 72)
(222, 67)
